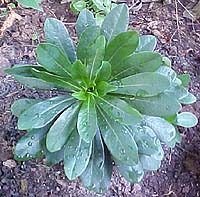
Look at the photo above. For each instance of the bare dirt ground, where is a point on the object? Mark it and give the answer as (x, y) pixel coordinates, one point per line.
(179, 39)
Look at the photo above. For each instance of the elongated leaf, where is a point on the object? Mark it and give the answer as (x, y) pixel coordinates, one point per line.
(85, 19)
(23, 74)
(177, 91)
(137, 63)
(62, 128)
(87, 38)
(40, 114)
(104, 88)
(189, 99)
(147, 43)
(168, 72)
(134, 174)
(186, 119)
(161, 105)
(97, 175)
(35, 4)
(56, 33)
(95, 55)
(30, 145)
(142, 84)
(164, 130)
(104, 72)
(87, 120)
(76, 156)
(121, 46)
(118, 139)
(53, 59)
(20, 105)
(64, 82)
(120, 110)
(115, 22)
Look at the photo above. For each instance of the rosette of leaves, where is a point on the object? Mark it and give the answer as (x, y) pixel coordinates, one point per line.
(120, 101)
(99, 8)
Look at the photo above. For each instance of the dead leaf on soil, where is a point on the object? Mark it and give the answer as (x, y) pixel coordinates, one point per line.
(9, 22)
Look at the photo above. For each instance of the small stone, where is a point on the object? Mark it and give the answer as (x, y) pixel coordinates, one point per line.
(10, 163)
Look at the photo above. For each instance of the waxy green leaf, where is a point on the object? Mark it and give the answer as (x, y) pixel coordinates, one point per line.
(35, 4)
(147, 43)
(189, 99)
(121, 46)
(104, 88)
(53, 59)
(77, 155)
(57, 34)
(87, 119)
(186, 119)
(104, 72)
(42, 113)
(115, 22)
(118, 138)
(142, 84)
(62, 128)
(185, 79)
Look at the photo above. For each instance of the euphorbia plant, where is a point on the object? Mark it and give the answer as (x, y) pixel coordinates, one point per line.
(119, 101)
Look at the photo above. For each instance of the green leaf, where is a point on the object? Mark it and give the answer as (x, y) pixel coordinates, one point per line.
(62, 128)
(121, 46)
(167, 62)
(99, 4)
(118, 138)
(64, 82)
(147, 43)
(162, 105)
(20, 105)
(163, 129)
(76, 156)
(186, 119)
(97, 175)
(120, 110)
(189, 99)
(104, 72)
(133, 174)
(87, 38)
(53, 59)
(23, 74)
(137, 63)
(103, 88)
(35, 4)
(95, 55)
(85, 19)
(87, 120)
(77, 6)
(168, 72)
(185, 79)
(115, 22)
(142, 84)
(177, 91)
(57, 34)
(42, 113)
(52, 159)
(30, 145)
(81, 95)
(177, 139)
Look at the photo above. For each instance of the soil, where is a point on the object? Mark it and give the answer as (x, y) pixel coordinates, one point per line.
(179, 174)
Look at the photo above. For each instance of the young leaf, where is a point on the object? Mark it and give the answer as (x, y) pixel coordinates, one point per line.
(185, 79)
(120, 110)
(121, 46)
(61, 129)
(97, 175)
(137, 63)
(57, 34)
(95, 55)
(87, 120)
(104, 72)
(177, 139)
(142, 84)
(22, 73)
(30, 145)
(164, 130)
(87, 38)
(35, 4)
(19, 106)
(76, 156)
(104, 88)
(189, 99)
(85, 19)
(134, 173)
(186, 119)
(118, 138)
(42, 113)
(147, 43)
(162, 105)
(115, 22)
(53, 59)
